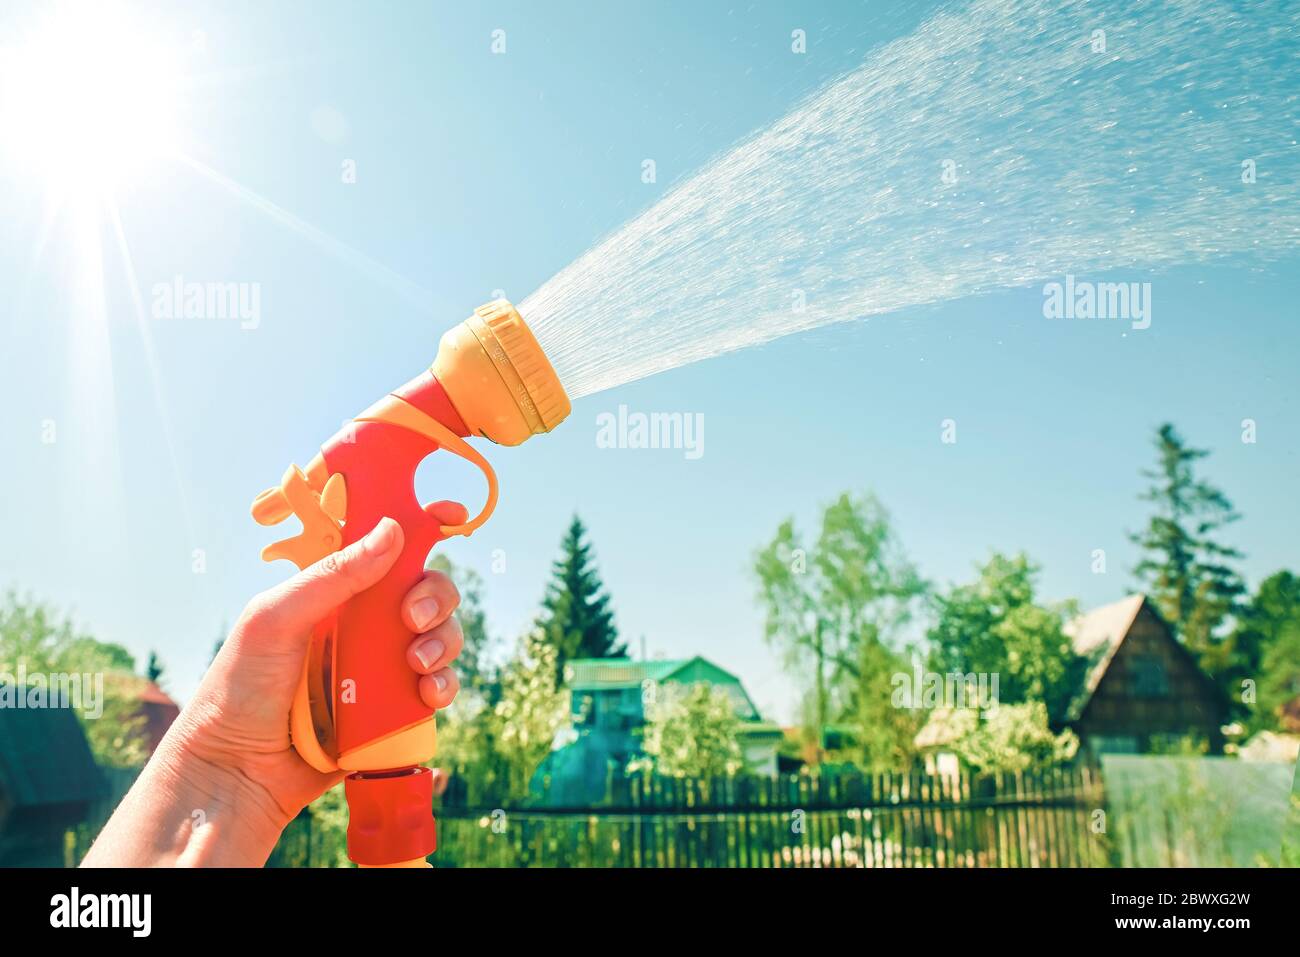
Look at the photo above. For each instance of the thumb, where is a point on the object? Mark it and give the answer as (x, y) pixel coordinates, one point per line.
(295, 607)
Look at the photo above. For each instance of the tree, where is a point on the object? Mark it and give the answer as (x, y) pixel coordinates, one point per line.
(467, 748)
(35, 637)
(994, 626)
(1265, 646)
(691, 731)
(1008, 738)
(839, 612)
(1279, 692)
(472, 664)
(532, 709)
(1184, 569)
(154, 669)
(576, 616)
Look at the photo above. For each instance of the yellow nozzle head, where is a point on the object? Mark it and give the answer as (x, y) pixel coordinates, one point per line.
(498, 378)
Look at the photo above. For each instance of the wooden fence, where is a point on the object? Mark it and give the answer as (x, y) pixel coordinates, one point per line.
(1153, 811)
(1043, 818)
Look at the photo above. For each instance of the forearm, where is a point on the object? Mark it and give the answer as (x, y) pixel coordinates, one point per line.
(184, 811)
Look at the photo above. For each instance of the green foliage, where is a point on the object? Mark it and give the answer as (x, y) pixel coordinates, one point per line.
(878, 735)
(472, 666)
(118, 738)
(531, 710)
(329, 821)
(1184, 569)
(691, 731)
(1011, 737)
(501, 725)
(1290, 856)
(838, 611)
(576, 616)
(36, 637)
(468, 730)
(1179, 745)
(1279, 689)
(467, 744)
(36, 634)
(994, 626)
(1265, 646)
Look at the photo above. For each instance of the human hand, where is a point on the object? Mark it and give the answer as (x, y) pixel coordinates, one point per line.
(225, 780)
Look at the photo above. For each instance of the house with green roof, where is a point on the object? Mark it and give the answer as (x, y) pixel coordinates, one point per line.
(607, 698)
(48, 783)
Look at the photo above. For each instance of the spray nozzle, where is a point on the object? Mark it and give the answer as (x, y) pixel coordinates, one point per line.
(498, 378)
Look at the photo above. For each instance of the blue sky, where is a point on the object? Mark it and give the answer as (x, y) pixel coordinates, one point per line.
(478, 172)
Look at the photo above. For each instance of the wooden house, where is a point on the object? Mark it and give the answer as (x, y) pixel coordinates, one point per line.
(1143, 690)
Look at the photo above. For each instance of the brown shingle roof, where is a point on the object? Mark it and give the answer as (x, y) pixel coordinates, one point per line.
(1096, 636)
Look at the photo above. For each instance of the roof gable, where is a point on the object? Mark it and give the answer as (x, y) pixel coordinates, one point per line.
(589, 674)
(1097, 636)
(700, 669)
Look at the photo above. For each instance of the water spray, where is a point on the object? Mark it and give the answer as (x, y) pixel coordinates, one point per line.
(357, 707)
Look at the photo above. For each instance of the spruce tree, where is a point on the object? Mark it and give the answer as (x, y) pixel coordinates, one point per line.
(576, 615)
(1184, 568)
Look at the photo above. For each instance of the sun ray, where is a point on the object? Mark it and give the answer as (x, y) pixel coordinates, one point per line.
(373, 269)
(49, 217)
(94, 502)
(160, 405)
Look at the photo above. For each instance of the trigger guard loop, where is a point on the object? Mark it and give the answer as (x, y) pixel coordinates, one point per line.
(395, 411)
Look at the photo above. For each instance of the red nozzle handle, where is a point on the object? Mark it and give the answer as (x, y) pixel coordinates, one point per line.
(374, 691)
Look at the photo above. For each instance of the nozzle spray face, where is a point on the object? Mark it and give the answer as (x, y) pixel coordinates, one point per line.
(498, 378)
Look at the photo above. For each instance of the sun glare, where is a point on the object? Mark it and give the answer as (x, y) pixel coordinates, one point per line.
(88, 98)
(93, 98)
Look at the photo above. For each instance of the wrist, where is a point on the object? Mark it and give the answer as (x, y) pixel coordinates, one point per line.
(190, 811)
(230, 820)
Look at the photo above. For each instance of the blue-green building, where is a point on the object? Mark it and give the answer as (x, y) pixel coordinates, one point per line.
(607, 700)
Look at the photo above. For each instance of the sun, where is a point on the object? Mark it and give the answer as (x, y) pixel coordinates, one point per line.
(96, 109)
(88, 97)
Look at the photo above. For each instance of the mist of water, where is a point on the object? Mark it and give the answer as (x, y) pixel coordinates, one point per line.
(1004, 143)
